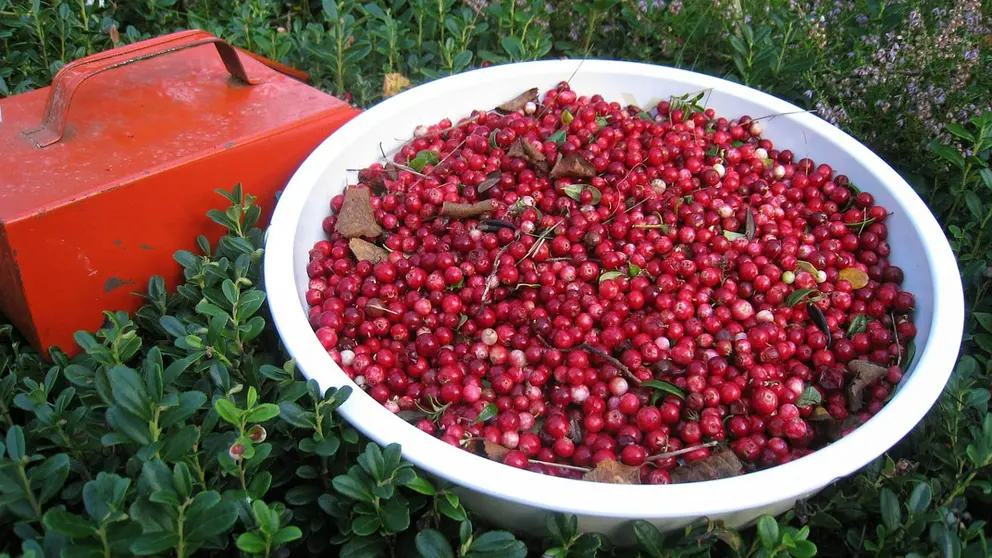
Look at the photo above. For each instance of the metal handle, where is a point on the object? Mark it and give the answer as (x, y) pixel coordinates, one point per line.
(72, 75)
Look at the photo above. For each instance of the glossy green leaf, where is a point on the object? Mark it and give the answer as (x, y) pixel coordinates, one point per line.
(488, 412)
(68, 524)
(891, 513)
(154, 543)
(251, 542)
(768, 531)
(431, 543)
(665, 387)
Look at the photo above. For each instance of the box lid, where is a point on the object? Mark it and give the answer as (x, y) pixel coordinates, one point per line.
(141, 113)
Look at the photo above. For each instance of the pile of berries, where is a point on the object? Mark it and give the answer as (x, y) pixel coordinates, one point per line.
(575, 282)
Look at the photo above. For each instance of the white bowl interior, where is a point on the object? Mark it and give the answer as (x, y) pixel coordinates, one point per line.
(918, 246)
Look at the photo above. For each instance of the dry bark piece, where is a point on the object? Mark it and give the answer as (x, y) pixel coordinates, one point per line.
(865, 373)
(612, 472)
(356, 217)
(493, 451)
(573, 165)
(720, 465)
(366, 251)
(464, 210)
(519, 102)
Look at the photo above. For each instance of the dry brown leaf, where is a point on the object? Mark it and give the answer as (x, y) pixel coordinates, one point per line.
(392, 171)
(573, 165)
(356, 217)
(516, 150)
(720, 465)
(833, 429)
(465, 210)
(536, 158)
(857, 278)
(865, 373)
(393, 84)
(520, 101)
(493, 451)
(749, 226)
(376, 178)
(490, 181)
(525, 150)
(612, 472)
(366, 251)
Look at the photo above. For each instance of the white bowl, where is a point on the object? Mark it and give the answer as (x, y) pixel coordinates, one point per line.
(518, 499)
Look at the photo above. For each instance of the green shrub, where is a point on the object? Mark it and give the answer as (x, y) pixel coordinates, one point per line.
(127, 449)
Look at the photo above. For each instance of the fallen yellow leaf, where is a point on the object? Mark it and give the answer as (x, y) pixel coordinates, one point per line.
(393, 84)
(857, 278)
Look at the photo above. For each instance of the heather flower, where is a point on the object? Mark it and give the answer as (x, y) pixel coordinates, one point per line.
(477, 5)
(675, 7)
(922, 69)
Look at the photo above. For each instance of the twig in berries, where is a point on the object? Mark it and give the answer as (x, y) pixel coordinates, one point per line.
(492, 276)
(519, 102)
(383, 309)
(403, 142)
(631, 171)
(441, 162)
(782, 114)
(562, 465)
(806, 150)
(895, 337)
(682, 451)
(541, 240)
(465, 210)
(408, 169)
(609, 358)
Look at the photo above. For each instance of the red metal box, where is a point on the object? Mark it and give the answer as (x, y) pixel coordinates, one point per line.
(107, 172)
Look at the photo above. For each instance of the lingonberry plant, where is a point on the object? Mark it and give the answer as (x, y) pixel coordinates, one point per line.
(566, 284)
(186, 431)
(893, 74)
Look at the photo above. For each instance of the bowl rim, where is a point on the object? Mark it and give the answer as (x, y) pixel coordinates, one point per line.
(788, 482)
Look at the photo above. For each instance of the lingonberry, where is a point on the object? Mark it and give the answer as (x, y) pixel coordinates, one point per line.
(555, 308)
